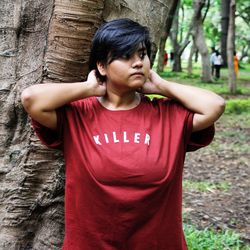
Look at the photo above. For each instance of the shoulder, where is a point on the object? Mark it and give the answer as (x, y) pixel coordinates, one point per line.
(77, 108)
(164, 104)
(82, 104)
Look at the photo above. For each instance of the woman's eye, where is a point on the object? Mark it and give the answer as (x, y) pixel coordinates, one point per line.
(142, 54)
(125, 56)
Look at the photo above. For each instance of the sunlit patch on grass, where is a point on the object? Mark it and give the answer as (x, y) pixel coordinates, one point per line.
(205, 186)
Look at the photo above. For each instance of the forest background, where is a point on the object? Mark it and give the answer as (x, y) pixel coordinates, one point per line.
(49, 41)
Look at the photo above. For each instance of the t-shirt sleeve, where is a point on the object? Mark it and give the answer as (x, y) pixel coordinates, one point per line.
(200, 138)
(51, 138)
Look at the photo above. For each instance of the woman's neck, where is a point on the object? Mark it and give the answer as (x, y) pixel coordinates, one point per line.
(114, 101)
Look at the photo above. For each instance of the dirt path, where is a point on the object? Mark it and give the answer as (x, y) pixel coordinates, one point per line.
(225, 163)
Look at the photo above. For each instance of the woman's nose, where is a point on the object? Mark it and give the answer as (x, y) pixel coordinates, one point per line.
(136, 62)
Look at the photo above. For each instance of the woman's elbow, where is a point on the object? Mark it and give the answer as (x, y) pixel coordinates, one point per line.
(27, 99)
(219, 106)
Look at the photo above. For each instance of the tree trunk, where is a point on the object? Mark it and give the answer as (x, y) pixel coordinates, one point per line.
(44, 41)
(164, 36)
(231, 48)
(177, 63)
(190, 59)
(225, 7)
(32, 177)
(178, 46)
(200, 41)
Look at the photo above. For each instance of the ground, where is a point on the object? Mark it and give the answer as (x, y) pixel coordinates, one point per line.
(216, 179)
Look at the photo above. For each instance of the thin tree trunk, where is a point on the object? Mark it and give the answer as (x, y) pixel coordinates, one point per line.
(231, 48)
(190, 59)
(225, 7)
(165, 33)
(177, 63)
(200, 41)
(178, 46)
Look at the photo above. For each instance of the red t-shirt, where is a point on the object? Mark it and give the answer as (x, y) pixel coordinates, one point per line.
(124, 173)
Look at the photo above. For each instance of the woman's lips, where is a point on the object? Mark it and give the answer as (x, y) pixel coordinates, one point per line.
(137, 74)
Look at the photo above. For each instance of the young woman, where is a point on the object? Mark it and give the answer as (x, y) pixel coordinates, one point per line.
(124, 153)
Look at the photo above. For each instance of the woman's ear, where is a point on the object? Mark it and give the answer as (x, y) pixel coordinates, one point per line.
(101, 68)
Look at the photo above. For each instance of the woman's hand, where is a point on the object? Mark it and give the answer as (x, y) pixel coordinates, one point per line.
(42, 100)
(153, 84)
(97, 88)
(206, 105)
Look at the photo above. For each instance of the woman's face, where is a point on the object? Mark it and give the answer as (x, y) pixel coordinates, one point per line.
(128, 73)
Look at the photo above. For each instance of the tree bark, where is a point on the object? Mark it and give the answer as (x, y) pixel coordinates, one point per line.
(178, 45)
(225, 7)
(190, 59)
(44, 41)
(200, 41)
(231, 48)
(39, 39)
(164, 35)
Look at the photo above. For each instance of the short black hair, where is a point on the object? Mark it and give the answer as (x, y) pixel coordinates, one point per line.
(116, 39)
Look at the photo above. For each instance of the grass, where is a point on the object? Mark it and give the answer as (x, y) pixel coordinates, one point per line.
(236, 133)
(236, 120)
(208, 239)
(237, 106)
(220, 86)
(205, 186)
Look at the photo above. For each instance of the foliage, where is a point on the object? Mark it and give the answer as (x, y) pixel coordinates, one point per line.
(243, 11)
(212, 23)
(212, 26)
(211, 240)
(237, 106)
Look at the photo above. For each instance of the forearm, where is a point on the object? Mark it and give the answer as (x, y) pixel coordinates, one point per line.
(47, 97)
(198, 100)
(206, 105)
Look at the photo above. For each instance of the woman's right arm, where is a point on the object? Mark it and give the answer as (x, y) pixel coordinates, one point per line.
(41, 100)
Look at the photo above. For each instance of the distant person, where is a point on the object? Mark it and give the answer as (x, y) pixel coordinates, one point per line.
(236, 64)
(165, 62)
(212, 60)
(172, 57)
(217, 61)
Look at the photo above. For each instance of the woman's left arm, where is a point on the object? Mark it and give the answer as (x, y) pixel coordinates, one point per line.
(206, 105)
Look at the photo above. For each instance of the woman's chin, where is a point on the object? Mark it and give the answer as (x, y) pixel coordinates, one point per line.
(137, 84)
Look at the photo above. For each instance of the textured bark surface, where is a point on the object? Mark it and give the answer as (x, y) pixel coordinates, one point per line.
(164, 35)
(231, 48)
(44, 41)
(225, 8)
(177, 44)
(72, 27)
(200, 41)
(32, 176)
